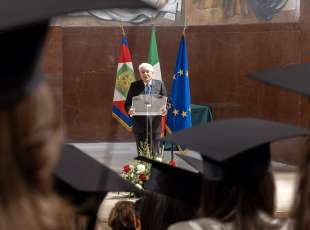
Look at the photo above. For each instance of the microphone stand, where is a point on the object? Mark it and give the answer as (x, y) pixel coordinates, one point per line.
(148, 105)
(149, 151)
(151, 129)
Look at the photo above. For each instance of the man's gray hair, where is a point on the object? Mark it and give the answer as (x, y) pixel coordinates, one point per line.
(146, 66)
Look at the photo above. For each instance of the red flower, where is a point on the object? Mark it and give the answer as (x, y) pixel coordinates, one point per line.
(142, 177)
(173, 163)
(126, 168)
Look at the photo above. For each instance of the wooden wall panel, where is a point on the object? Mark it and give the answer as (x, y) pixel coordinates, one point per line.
(90, 62)
(53, 65)
(219, 64)
(80, 63)
(274, 48)
(208, 51)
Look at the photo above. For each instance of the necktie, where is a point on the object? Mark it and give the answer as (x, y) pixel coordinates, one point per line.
(148, 89)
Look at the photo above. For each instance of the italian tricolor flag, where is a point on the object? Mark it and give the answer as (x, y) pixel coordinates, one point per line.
(154, 61)
(153, 55)
(124, 77)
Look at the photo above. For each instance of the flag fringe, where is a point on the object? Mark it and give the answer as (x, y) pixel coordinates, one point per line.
(122, 122)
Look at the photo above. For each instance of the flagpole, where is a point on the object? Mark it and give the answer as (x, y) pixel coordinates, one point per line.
(152, 21)
(124, 65)
(185, 25)
(184, 29)
(123, 30)
(186, 72)
(172, 146)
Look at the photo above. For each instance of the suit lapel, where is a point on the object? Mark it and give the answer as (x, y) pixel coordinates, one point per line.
(155, 87)
(140, 88)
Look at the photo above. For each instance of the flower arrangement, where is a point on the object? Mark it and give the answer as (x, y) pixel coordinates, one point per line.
(138, 172)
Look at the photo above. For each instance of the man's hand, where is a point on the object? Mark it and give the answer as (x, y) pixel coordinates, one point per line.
(131, 111)
(163, 111)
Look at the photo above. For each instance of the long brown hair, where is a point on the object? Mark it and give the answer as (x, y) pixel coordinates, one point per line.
(30, 137)
(157, 211)
(122, 216)
(240, 202)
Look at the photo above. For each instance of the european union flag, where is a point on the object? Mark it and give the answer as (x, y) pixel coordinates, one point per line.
(179, 114)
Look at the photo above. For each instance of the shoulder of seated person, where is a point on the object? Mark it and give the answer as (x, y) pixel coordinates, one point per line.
(199, 224)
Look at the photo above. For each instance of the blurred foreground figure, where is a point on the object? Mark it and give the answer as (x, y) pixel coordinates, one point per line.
(84, 183)
(30, 132)
(30, 136)
(294, 78)
(238, 191)
(171, 194)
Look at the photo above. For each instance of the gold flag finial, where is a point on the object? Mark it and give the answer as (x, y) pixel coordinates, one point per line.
(185, 22)
(152, 20)
(122, 27)
(184, 29)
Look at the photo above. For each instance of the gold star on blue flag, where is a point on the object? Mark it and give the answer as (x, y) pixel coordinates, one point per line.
(180, 99)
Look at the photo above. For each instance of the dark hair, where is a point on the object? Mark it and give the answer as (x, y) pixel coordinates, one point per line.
(244, 193)
(121, 216)
(157, 212)
(30, 137)
(301, 211)
(239, 202)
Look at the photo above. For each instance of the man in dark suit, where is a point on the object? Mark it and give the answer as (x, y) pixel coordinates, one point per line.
(147, 85)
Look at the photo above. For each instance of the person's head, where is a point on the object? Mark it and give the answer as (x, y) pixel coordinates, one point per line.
(240, 204)
(245, 186)
(73, 184)
(236, 159)
(156, 212)
(122, 216)
(30, 137)
(136, 216)
(172, 194)
(239, 201)
(146, 71)
(243, 191)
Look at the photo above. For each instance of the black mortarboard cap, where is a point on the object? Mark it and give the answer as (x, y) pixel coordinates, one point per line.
(86, 174)
(194, 162)
(80, 178)
(23, 26)
(293, 77)
(20, 72)
(235, 148)
(174, 182)
(85, 182)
